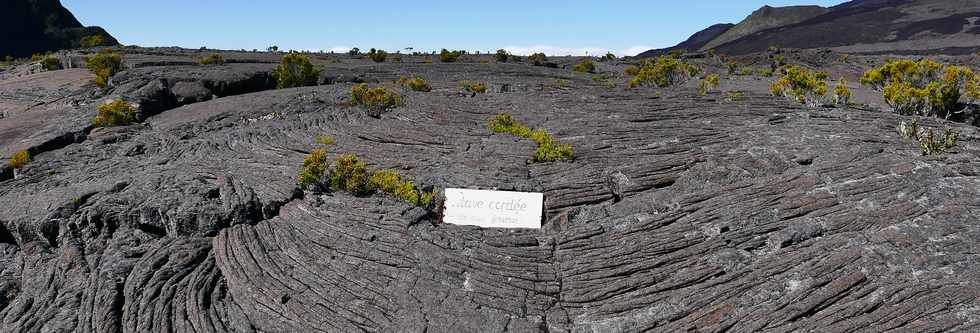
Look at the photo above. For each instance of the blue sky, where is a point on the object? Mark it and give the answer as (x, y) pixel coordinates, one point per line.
(556, 27)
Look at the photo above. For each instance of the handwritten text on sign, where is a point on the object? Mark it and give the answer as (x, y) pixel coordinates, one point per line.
(493, 209)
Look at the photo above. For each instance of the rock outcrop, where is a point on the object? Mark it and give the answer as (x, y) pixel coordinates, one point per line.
(37, 26)
(680, 212)
(860, 26)
(766, 18)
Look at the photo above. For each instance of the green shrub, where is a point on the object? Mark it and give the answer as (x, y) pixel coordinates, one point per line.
(325, 140)
(374, 98)
(50, 63)
(104, 65)
(922, 87)
(351, 175)
(92, 41)
(585, 66)
(799, 84)
(354, 52)
(842, 94)
(213, 59)
(449, 56)
(549, 149)
(631, 70)
(416, 83)
(310, 175)
(538, 59)
(609, 57)
(116, 113)
(295, 70)
(664, 71)
(473, 87)
(501, 55)
(19, 159)
(377, 55)
(707, 83)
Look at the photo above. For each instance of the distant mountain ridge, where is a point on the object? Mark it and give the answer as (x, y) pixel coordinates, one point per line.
(32, 26)
(860, 26)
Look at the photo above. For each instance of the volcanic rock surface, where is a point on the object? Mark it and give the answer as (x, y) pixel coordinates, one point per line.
(680, 212)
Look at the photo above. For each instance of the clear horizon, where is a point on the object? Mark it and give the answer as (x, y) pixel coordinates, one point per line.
(588, 27)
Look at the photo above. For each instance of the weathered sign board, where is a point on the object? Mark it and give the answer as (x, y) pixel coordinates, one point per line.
(493, 209)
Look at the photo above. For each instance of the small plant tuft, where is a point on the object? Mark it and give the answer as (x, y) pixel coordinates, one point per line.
(378, 98)
(473, 87)
(351, 175)
(325, 140)
(310, 176)
(19, 160)
(842, 94)
(116, 113)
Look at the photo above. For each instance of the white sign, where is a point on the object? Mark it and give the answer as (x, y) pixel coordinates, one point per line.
(493, 209)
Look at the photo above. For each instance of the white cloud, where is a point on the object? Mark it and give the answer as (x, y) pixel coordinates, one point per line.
(575, 51)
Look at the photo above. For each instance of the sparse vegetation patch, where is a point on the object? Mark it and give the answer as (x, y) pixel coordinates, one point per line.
(104, 65)
(51, 63)
(929, 142)
(549, 149)
(664, 71)
(416, 83)
(213, 59)
(923, 87)
(450, 56)
(708, 83)
(800, 84)
(350, 174)
(584, 66)
(92, 41)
